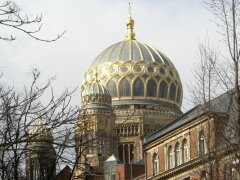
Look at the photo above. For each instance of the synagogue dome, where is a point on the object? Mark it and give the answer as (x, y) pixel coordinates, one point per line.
(136, 73)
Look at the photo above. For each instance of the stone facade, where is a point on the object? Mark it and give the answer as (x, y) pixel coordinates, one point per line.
(191, 147)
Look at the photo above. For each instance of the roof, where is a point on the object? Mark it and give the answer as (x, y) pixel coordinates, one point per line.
(112, 158)
(217, 105)
(141, 162)
(64, 174)
(131, 50)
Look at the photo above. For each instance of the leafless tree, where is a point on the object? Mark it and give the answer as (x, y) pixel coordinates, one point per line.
(12, 17)
(19, 114)
(218, 74)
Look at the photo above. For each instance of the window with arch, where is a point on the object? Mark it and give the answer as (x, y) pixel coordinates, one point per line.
(201, 143)
(112, 88)
(138, 87)
(125, 89)
(179, 94)
(184, 151)
(163, 89)
(172, 93)
(177, 154)
(155, 164)
(151, 88)
(170, 157)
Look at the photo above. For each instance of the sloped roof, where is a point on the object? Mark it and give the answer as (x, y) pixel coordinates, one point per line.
(218, 105)
(112, 158)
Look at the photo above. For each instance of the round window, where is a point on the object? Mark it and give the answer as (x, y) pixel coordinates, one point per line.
(171, 73)
(111, 70)
(137, 68)
(124, 69)
(162, 71)
(150, 69)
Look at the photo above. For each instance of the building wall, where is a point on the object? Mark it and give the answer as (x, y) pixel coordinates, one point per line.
(128, 171)
(96, 137)
(197, 164)
(135, 123)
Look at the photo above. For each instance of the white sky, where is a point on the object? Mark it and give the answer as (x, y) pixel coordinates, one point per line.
(172, 26)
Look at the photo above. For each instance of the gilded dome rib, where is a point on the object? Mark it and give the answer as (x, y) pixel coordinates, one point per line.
(105, 56)
(130, 50)
(114, 54)
(156, 56)
(139, 50)
(149, 52)
(145, 52)
(124, 52)
(166, 60)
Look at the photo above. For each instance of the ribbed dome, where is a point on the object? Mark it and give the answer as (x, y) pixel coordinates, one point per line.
(131, 50)
(136, 73)
(95, 96)
(94, 89)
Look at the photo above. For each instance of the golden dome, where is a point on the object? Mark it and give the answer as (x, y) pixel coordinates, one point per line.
(136, 73)
(94, 95)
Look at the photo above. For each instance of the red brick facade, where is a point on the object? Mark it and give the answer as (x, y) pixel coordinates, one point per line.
(128, 171)
(203, 159)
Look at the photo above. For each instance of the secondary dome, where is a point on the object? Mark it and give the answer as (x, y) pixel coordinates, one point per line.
(136, 73)
(95, 95)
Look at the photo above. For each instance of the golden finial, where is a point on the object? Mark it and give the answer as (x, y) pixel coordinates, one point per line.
(96, 75)
(130, 24)
(130, 9)
(40, 121)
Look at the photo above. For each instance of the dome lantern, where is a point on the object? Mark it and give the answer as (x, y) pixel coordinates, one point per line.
(130, 25)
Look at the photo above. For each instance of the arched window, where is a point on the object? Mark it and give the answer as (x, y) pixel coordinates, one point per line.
(163, 89)
(112, 88)
(151, 88)
(184, 151)
(138, 87)
(179, 94)
(155, 164)
(201, 143)
(177, 154)
(172, 93)
(125, 87)
(170, 157)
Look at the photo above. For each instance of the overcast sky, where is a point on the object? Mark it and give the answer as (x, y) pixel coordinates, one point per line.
(173, 26)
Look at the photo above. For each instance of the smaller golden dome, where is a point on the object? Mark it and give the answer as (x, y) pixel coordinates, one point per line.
(95, 94)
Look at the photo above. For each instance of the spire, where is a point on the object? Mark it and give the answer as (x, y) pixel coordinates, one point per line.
(130, 24)
(96, 75)
(40, 121)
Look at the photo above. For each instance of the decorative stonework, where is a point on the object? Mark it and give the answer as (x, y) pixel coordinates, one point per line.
(96, 99)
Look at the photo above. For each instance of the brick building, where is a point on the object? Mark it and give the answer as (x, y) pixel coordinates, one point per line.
(196, 145)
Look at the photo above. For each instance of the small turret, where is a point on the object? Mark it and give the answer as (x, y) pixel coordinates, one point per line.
(41, 155)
